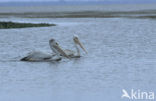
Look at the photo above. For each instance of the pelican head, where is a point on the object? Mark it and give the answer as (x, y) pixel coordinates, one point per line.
(56, 48)
(52, 42)
(77, 41)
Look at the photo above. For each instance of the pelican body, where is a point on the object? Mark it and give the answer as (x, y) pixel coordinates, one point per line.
(40, 56)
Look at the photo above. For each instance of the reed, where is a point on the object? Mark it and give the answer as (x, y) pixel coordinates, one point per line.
(8, 25)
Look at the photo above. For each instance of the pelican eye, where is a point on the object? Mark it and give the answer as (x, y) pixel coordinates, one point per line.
(56, 43)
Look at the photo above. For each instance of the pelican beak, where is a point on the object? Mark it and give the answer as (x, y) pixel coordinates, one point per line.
(80, 44)
(61, 51)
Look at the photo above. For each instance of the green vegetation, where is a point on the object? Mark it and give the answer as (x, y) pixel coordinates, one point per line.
(8, 25)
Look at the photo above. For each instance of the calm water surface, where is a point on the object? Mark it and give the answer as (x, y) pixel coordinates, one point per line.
(121, 54)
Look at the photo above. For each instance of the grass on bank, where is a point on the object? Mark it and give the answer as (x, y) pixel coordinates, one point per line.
(8, 25)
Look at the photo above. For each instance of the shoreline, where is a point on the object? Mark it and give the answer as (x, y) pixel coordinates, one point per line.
(81, 11)
(84, 14)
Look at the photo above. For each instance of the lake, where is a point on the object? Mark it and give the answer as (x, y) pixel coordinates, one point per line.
(121, 55)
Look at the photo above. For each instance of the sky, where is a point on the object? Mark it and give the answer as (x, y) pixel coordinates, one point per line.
(73, 0)
(146, 1)
(54, 0)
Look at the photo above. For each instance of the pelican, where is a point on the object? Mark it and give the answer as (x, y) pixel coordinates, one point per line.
(40, 56)
(73, 54)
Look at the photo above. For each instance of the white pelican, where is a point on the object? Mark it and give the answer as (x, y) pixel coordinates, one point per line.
(76, 54)
(40, 56)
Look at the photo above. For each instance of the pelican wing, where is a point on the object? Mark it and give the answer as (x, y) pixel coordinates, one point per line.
(37, 56)
(69, 52)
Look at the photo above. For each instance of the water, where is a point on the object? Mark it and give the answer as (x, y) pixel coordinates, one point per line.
(121, 55)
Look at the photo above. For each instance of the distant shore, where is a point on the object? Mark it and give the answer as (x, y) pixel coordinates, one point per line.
(81, 11)
(85, 14)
